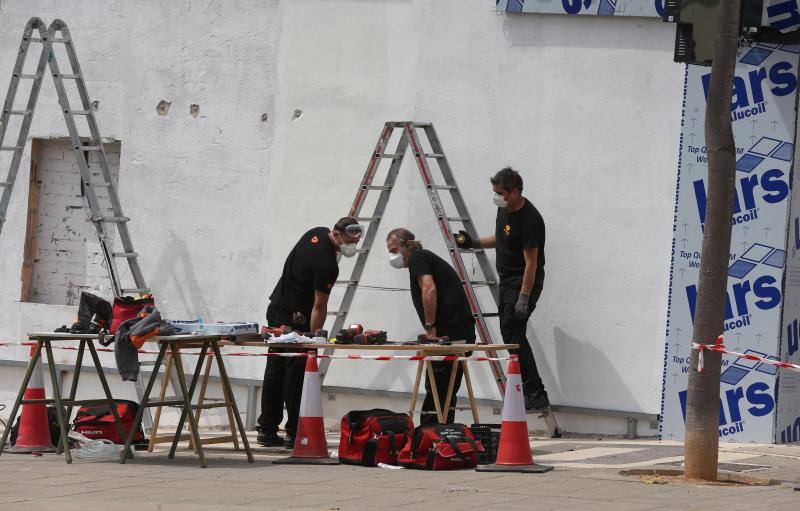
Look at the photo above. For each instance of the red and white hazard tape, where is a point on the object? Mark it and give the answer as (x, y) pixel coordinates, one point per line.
(431, 358)
(719, 347)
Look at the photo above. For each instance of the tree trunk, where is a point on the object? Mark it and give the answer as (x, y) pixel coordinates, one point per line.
(702, 401)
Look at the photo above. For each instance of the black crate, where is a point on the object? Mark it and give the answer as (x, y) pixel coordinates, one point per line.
(489, 437)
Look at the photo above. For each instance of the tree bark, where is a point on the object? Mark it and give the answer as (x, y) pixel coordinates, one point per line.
(702, 401)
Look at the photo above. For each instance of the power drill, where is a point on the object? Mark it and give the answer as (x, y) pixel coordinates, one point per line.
(347, 335)
(371, 337)
(442, 341)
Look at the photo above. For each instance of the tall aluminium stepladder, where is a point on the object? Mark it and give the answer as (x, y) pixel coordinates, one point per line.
(410, 136)
(58, 33)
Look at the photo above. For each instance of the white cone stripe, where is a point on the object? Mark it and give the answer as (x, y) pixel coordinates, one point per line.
(37, 377)
(514, 402)
(311, 400)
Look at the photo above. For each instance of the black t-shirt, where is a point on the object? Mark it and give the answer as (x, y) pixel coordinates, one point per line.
(311, 266)
(451, 300)
(514, 232)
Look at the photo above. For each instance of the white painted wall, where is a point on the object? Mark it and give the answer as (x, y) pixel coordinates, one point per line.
(587, 108)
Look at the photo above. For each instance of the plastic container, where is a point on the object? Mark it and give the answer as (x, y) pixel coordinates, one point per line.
(489, 437)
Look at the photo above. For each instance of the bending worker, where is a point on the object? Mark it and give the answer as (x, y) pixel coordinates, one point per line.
(519, 241)
(300, 300)
(441, 303)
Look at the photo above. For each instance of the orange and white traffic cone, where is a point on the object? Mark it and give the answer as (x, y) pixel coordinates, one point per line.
(514, 454)
(310, 445)
(34, 432)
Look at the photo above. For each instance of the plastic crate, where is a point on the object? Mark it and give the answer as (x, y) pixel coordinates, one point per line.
(489, 437)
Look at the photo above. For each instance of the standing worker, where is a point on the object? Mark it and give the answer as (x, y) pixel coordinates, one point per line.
(441, 303)
(519, 241)
(300, 300)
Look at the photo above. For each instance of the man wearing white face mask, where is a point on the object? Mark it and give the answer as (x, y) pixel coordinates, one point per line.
(441, 303)
(519, 241)
(300, 300)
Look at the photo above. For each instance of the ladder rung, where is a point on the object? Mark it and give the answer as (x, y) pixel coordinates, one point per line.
(88, 148)
(125, 254)
(60, 40)
(444, 187)
(136, 291)
(35, 40)
(471, 250)
(70, 77)
(337, 313)
(78, 112)
(112, 219)
(377, 187)
(434, 155)
(98, 185)
(9, 148)
(482, 282)
(422, 125)
(367, 218)
(6, 183)
(346, 282)
(488, 314)
(28, 76)
(393, 156)
(18, 112)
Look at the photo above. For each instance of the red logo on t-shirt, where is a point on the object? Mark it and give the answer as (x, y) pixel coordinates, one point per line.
(315, 239)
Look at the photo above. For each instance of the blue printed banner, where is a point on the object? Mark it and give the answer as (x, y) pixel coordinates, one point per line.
(641, 8)
(763, 116)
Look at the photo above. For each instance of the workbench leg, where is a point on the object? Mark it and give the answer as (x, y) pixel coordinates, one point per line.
(186, 393)
(157, 417)
(145, 399)
(435, 392)
(107, 390)
(76, 376)
(472, 403)
(37, 353)
(228, 392)
(450, 386)
(415, 390)
(201, 398)
(62, 423)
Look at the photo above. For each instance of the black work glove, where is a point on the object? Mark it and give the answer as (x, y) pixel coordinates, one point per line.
(521, 307)
(464, 240)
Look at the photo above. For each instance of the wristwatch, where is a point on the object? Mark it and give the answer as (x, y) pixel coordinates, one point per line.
(429, 326)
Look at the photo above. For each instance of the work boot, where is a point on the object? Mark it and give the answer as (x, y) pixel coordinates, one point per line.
(289, 443)
(538, 401)
(269, 440)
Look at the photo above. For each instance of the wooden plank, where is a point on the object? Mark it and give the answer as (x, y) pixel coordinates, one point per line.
(32, 226)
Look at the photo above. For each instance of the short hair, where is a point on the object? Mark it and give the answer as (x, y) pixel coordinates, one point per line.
(343, 223)
(507, 178)
(404, 237)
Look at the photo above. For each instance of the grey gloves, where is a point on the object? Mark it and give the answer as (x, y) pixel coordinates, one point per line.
(521, 307)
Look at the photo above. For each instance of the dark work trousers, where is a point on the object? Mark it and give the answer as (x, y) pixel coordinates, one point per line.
(441, 373)
(514, 331)
(283, 380)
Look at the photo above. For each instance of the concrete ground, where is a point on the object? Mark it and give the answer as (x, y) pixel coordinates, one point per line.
(586, 477)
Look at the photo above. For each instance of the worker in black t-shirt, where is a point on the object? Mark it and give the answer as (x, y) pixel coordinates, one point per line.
(300, 300)
(519, 241)
(441, 303)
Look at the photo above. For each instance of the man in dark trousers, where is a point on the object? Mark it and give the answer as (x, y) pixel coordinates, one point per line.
(519, 241)
(300, 300)
(441, 303)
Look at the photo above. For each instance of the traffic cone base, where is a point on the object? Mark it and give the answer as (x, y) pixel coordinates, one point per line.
(514, 453)
(310, 445)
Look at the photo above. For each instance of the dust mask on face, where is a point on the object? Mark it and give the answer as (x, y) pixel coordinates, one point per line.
(499, 201)
(396, 260)
(347, 249)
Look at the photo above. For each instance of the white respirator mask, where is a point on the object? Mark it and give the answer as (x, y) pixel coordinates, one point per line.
(348, 249)
(499, 201)
(396, 260)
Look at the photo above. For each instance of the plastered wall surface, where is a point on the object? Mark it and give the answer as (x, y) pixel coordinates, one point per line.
(587, 109)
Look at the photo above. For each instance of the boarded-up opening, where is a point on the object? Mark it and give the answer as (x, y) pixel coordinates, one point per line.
(62, 251)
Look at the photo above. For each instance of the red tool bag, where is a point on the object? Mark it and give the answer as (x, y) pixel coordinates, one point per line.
(97, 422)
(373, 436)
(128, 307)
(441, 447)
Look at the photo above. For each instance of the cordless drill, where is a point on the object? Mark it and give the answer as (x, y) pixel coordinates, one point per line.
(371, 337)
(347, 335)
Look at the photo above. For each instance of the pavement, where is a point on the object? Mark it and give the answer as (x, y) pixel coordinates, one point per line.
(586, 477)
